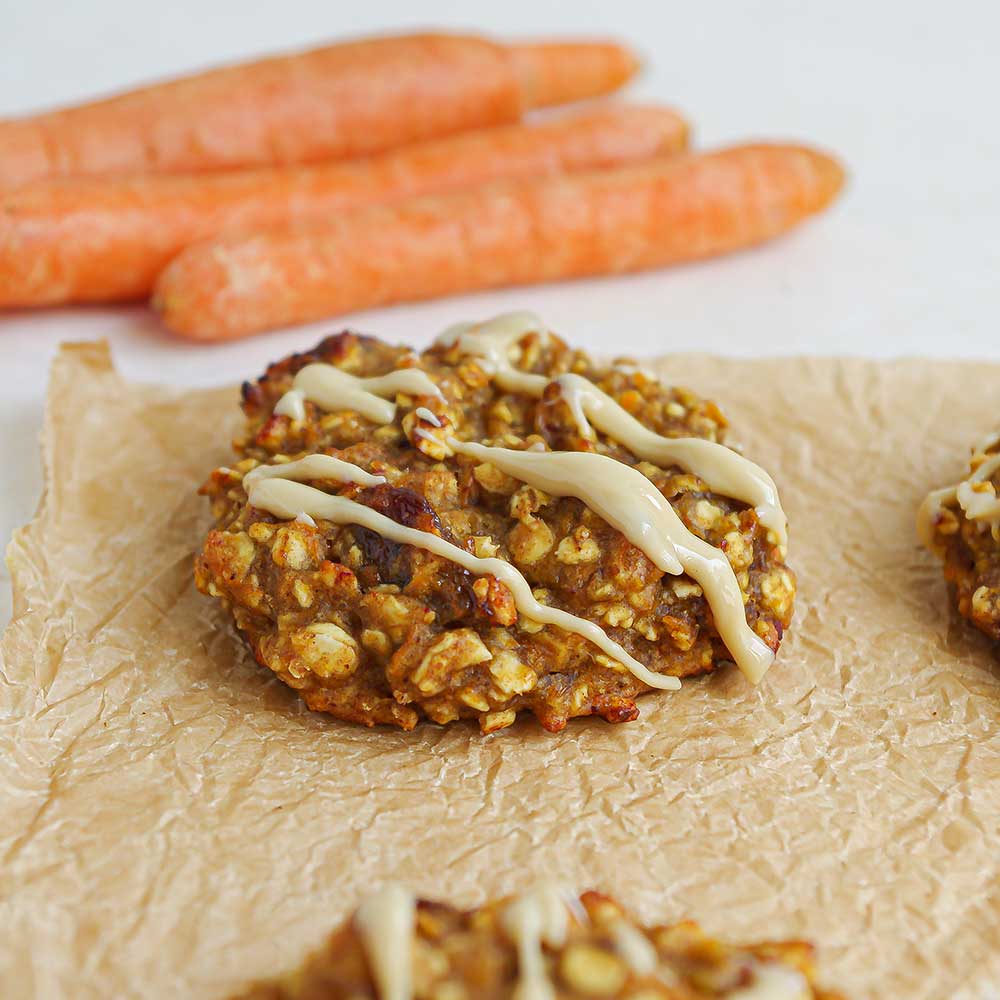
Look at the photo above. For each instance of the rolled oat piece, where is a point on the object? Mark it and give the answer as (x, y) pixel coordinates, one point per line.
(543, 945)
(961, 524)
(497, 524)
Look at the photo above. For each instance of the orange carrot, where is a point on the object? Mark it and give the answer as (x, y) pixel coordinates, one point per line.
(605, 222)
(559, 72)
(89, 239)
(340, 101)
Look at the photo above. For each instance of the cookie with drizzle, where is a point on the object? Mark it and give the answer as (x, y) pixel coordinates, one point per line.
(494, 525)
(961, 525)
(545, 944)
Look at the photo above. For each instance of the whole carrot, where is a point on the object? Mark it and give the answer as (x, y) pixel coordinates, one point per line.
(90, 239)
(340, 101)
(605, 222)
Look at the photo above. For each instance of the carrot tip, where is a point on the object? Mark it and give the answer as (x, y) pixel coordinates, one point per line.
(560, 72)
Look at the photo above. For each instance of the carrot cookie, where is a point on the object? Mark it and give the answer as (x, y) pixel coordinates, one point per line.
(495, 525)
(544, 945)
(961, 524)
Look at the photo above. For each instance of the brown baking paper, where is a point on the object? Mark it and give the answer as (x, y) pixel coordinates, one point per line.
(174, 823)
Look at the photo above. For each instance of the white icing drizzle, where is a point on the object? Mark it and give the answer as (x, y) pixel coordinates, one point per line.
(630, 367)
(975, 495)
(980, 504)
(285, 498)
(428, 415)
(773, 982)
(724, 470)
(386, 922)
(986, 443)
(491, 342)
(623, 497)
(635, 949)
(313, 467)
(628, 501)
(538, 917)
(334, 389)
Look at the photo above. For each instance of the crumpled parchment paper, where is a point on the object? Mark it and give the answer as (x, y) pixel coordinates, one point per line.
(175, 824)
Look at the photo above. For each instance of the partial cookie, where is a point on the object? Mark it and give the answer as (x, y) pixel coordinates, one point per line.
(532, 599)
(541, 946)
(961, 524)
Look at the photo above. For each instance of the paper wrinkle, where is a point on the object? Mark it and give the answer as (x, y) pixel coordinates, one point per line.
(175, 823)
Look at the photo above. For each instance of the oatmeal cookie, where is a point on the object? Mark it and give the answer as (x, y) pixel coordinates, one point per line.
(962, 525)
(373, 630)
(542, 944)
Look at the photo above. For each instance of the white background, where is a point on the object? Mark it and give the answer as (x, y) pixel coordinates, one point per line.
(905, 92)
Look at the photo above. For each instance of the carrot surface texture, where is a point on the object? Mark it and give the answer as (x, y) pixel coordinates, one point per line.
(340, 101)
(106, 239)
(605, 222)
